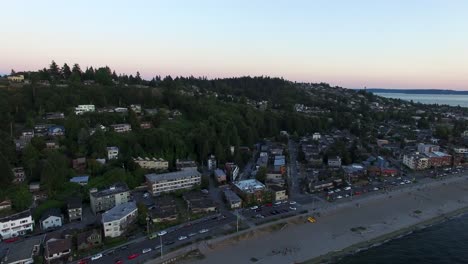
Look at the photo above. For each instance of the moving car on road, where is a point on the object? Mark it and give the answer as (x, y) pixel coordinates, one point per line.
(203, 231)
(182, 238)
(133, 256)
(96, 257)
(146, 250)
(162, 233)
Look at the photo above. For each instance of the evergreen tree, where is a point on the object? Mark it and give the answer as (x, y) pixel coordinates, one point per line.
(66, 72)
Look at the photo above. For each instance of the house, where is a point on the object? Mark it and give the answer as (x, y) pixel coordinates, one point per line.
(145, 125)
(121, 128)
(34, 186)
(81, 180)
(51, 218)
(251, 191)
(152, 163)
(279, 193)
(89, 239)
(112, 153)
(136, 108)
(5, 205)
(121, 110)
(106, 199)
(16, 78)
(52, 144)
(212, 162)
(334, 162)
(22, 252)
(184, 164)
(220, 176)
(74, 209)
(116, 220)
(316, 136)
(172, 181)
(56, 247)
(19, 175)
(16, 224)
(80, 109)
(54, 116)
(56, 130)
(79, 164)
(232, 199)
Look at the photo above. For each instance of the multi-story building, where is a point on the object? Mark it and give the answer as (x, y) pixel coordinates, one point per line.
(80, 109)
(184, 164)
(16, 224)
(152, 163)
(334, 162)
(121, 128)
(220, 176)
(416, 161)
(74, 209)
(232, 171)
(172, 181)
(279, 193)
(427, 148)
(116, 220)
(112, 153)
(439, 159)
(212, 164)
(136, 108)
(106, 199)
(232, 199)
(251, 191)
(18, 174)
(51, 218)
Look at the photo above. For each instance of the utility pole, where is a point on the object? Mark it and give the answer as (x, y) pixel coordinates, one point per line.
(160, 243)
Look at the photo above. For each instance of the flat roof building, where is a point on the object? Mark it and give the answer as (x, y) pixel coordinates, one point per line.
(172, 181)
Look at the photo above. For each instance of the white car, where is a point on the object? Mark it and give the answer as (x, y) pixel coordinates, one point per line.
(339, 197)
(162, 233)
(292, 202)
(146, 250)
(182, 238)
(203, 231)
(192, 234)
(254, 207)
(277, 203)
(376, 189)
(292, 208)
(96, 257)
(331, 192)
(402, 183)
(347, 188)
(337, 190)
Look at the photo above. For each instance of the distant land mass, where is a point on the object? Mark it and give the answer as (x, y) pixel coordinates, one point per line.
(415, 91)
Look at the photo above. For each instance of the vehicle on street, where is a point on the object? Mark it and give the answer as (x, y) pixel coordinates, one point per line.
(119, 261)
(277, 203)
(337, 190)
(292, 202)
(11, 240)
(82, 261)
(293, 208)
(182, 238)
(157, 247)
(347, 188)
(146, 250)
(357, 193)
(331, 192)
(268, 205)
(192, 234)
(153, 236)
(162, 233)
(311, 219)
(96, 257)
(133, 256)
(339, 197)
(167, 243)
(376, 189)
(203, 231)
(254, 207)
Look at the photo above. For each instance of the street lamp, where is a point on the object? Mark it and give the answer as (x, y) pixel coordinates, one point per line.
(161, 244)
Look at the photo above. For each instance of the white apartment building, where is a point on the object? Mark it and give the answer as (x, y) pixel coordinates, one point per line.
(112, 153)
(152, 163)
(121, 128)
(116, 220)
(172, 181)
(416, 161)
(80, 109)
(105, 199)
(16, 224)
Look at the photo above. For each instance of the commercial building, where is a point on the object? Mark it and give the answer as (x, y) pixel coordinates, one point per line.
(251, 191)
(152, 163)
(116, 221)
(16, 225)
(172, 181)
(439, 159)
(106, 199)
(232, 199)
(279, 193)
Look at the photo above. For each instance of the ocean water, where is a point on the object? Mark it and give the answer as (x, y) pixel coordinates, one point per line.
(446, 99)
(446, 242)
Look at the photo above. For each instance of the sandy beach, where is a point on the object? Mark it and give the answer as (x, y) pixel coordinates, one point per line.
(340, 226)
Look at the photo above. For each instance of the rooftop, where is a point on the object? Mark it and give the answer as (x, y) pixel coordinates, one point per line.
(153, 177)
(119, 211)
(22, 250)
(219, 173)
(113, 189)
(79, 179)
(231, 196)
(74, 202)
(16, 216)
(51, 212)
(250, 185)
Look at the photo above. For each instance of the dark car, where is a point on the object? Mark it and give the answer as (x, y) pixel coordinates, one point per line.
(169, 243)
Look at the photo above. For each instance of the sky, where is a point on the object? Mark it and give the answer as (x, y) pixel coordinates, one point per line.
(354, 44)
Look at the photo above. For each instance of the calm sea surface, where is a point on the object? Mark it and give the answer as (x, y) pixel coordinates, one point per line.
(442, 243)
(448, 99)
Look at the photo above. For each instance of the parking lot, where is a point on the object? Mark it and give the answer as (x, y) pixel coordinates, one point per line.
(257, 213)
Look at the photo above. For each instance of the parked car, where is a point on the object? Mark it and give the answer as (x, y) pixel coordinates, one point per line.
(293, 208)
(119, 261)
(203, 231)
(182, 238)
(146, 250)
(162, 233)
(347, 188)
(133, 256)
(254, 207)
(96, 257)
(292, 202)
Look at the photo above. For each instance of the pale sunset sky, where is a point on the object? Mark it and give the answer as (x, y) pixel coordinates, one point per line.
(385, 44)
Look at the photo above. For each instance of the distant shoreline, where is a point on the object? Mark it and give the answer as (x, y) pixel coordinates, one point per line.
(416, 91)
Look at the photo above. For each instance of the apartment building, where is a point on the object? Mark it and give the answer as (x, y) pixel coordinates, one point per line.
(116, 220)
(80, 109)
(121, 128)
(152, 163)
(172, 181)
(105, 199)
(416, 161)
(19, 175)
(16, 224)
(112, 153)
